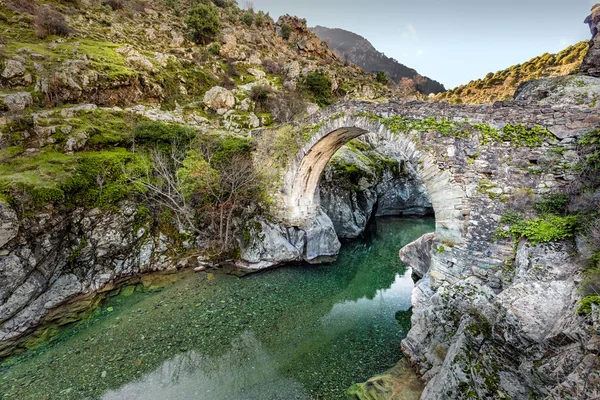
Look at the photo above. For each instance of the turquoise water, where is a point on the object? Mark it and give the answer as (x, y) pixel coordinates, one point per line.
(298, 332)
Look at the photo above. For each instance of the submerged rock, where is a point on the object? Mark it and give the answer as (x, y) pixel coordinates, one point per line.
(399, 383)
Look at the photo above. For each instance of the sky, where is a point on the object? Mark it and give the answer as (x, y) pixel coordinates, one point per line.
(451, 41)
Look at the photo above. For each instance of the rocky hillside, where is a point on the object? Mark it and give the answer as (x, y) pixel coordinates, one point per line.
(503, 84)
(358, 50)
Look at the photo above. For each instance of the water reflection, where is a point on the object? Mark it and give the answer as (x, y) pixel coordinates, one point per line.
(245, 372)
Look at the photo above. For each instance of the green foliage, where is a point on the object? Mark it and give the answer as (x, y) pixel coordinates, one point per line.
(319, 85)
(214, 48)
(99, 179)
(203, 23)
(247, 18)
(158, 133)
(517, 134)
(549, 228)
(260, 18)
(381, 77)
(591, 145)
(585, 304)
(286, 31)
(553, 204)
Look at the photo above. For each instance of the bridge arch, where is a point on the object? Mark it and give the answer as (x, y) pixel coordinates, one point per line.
(300, 191)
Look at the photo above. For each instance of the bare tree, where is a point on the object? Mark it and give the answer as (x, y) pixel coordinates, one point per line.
(158, 176)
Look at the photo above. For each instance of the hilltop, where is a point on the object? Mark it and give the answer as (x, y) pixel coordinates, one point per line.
(503, 84)
(358, 50)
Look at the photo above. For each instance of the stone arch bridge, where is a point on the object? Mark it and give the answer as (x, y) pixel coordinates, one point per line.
(472, 159)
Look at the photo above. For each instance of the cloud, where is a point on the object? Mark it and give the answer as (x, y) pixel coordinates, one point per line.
(409, 33)
(420, 52)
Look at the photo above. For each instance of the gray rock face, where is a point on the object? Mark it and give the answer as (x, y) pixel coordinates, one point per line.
(524, 340)
(418, 254)
(18, 101)
(272, 244)
(54, 258)
(564, 90)
(9, 224)
(378, 192)
(591, 62)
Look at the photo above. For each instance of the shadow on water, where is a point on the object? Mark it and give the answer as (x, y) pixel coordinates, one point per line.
(301, 332)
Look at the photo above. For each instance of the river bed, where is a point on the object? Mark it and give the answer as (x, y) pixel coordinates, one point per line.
(296, 332)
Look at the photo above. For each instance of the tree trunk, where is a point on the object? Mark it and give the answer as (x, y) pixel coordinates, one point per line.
(229, 216)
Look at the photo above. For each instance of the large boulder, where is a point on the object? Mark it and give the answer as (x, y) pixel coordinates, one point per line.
(268, 244)
(219, 99)
(417, 254)
(564, 90)
(13, 69)
(18, 101)
(591, 62)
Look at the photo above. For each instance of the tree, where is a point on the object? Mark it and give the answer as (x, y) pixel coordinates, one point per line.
(203, 23)
(320, 86)
(225, 188)
(381, 77)
(286, 31)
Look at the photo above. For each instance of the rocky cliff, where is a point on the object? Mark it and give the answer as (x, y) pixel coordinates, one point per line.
(592, 59)
(364, 180)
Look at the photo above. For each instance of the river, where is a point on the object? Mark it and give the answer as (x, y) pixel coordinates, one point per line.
(296, 332)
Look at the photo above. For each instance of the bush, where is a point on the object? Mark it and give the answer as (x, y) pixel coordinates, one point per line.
(550, 228)
(585, 305)
(381, 77)
(215, 49)
(22, 6)
(221, 3)
(260, 19)
(271, 67)
(158, 133)
(203, 23)
(260, 94)
(319, 85)
(50, 22)
(553, 204)
(286, 31)
(247, 18)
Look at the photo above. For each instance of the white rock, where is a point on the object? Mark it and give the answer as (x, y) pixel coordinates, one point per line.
(219, 98)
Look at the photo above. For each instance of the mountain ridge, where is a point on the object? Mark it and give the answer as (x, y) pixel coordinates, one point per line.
(357, 49)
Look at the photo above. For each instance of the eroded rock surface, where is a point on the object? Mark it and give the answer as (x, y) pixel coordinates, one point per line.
(591, 62)
(269, 244)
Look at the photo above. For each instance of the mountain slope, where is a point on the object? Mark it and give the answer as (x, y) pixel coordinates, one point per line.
(360, 51)
(503, 84)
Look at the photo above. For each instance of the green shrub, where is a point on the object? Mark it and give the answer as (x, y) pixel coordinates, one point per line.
(221, 3)
(203, 23)
(150, 132)
(553, 204)
(247, 18)
(260, 95)
(381, 77)
(585, 304)
(260, 19)
(319, 85)
(550, 228)
(214, 48)
(286, 31)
